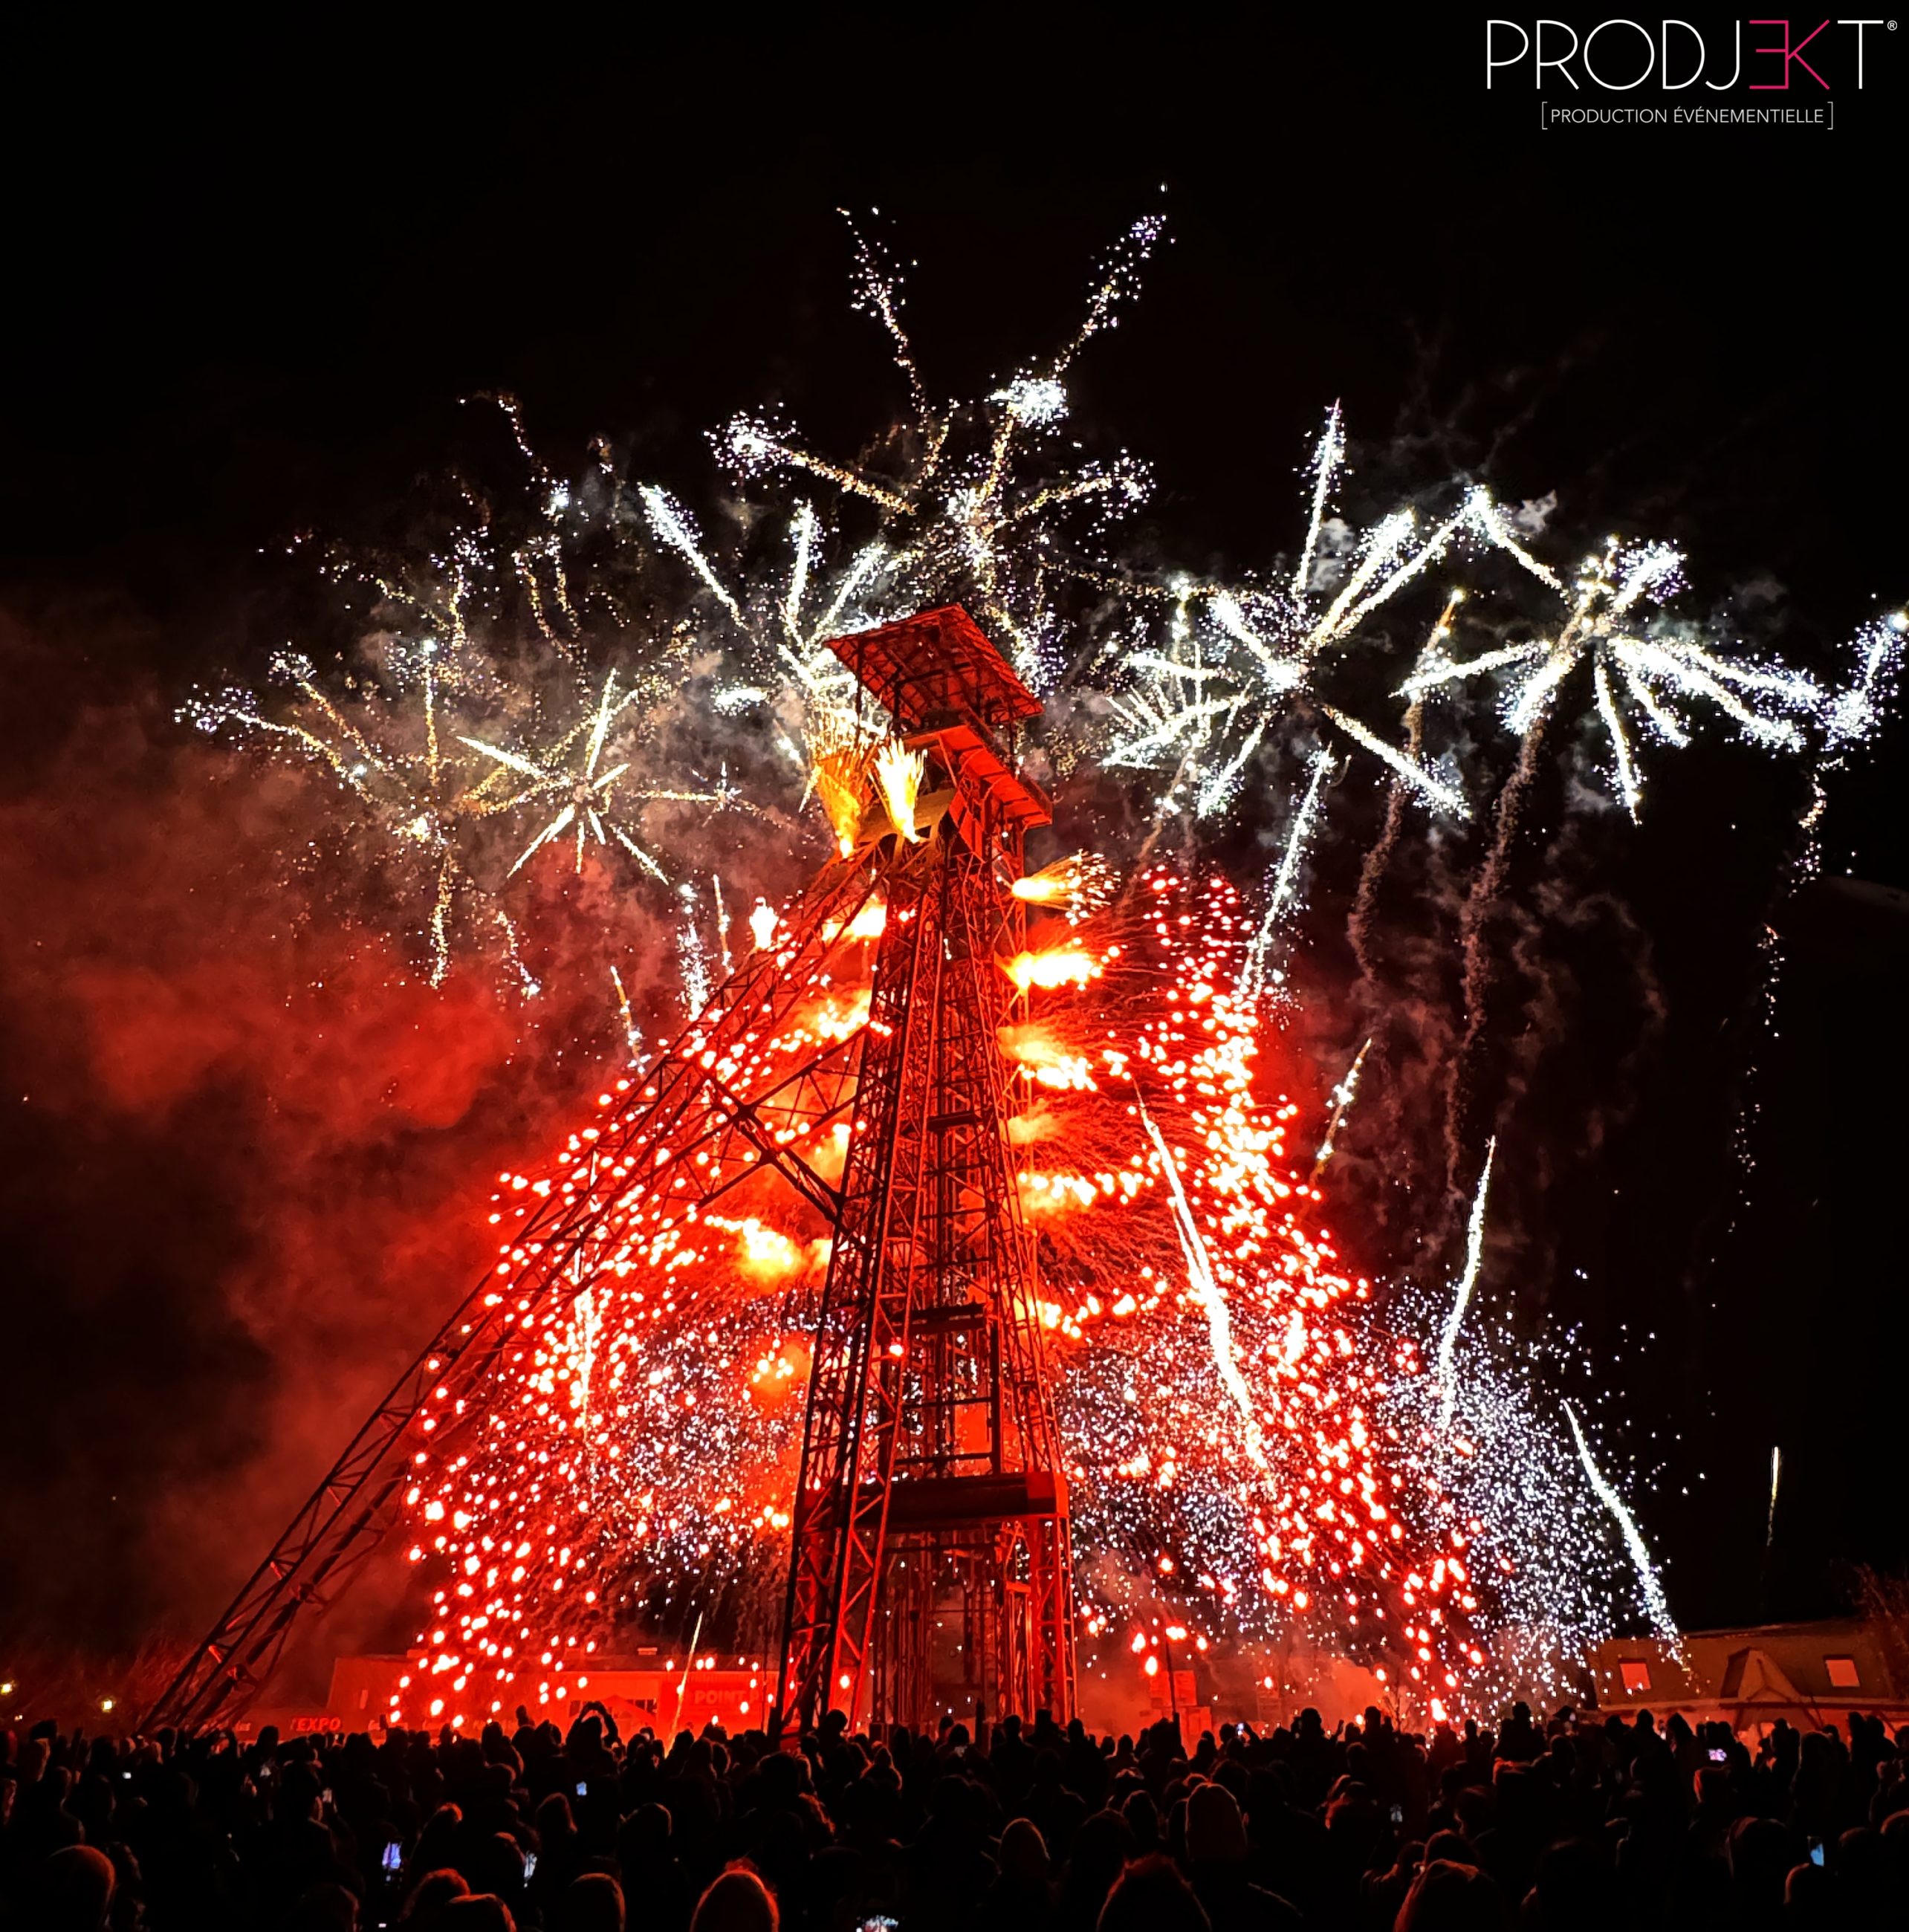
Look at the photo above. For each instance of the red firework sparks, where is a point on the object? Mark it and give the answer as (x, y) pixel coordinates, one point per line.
(1218, 1369)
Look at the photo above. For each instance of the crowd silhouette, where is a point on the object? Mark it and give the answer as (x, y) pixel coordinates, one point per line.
(1584, 1821)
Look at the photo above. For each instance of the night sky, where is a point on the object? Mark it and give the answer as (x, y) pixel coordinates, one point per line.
(249, 285)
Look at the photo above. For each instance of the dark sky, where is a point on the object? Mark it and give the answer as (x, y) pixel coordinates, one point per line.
(249, 280)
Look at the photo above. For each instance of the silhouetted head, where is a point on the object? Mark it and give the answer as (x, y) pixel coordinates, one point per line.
(1023, 1853)
(430, 1896)
(477, 1912)
(737, 1901)
(594, 1903)
(1448, 1897)
(1215, 1833)
(76, 1890)
(1150, 1896)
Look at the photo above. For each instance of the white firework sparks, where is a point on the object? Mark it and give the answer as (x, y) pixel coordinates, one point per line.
(1342, 1098)
(1207, 1294)
(1235, 658)
(1283, 898)
(385, 742)
(1446, 1371)
(963, 507)
(692, 960)
(1856, 713)
(1502, 1459)
(574, 772)
(1643, 673)
(1656, 1604)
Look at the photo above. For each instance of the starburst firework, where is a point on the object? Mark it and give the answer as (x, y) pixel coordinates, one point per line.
(1236, 658)
(573, 771)
(1640, 672)
(385, 742)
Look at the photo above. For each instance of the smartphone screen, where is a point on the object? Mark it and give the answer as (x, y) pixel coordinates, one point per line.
(583, 1790)
(1816, 1853)
(529, 1865)
(1719, 1757)
(394, 1857)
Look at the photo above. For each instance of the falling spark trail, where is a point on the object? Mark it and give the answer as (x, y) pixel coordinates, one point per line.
(631, 1036)
(1286, 880)
(722, 922)
(696, 973)
(1769, 1526)
(688, 1664)
(1207, 1291)
(673, 525)
(530, 985)
(1655, 1603)
(1342, 1099)
(1448, 1374)
(588, 1327)
(1365, 898)
(1325, 464)
(1628, 782)
(802, 532)
(1487, 888)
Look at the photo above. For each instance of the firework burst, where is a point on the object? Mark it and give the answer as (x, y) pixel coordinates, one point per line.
(573, 775)
(504, 674)
(1641, 672)
(386, 743)
(970, 498)
(1237, 658)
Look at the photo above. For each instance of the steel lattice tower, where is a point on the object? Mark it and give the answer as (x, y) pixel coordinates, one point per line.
(931, 1470)
(931, 1497)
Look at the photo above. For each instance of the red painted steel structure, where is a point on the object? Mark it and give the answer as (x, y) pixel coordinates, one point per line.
(931, 1478)
(932, 1495)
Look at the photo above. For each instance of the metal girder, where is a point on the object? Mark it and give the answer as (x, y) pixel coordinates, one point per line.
(747, 1119)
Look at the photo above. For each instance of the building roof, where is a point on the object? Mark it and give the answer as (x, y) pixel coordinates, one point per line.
(937, 666)
(1843, 1663)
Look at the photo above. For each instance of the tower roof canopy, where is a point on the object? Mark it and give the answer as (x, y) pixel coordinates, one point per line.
(934, 666)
